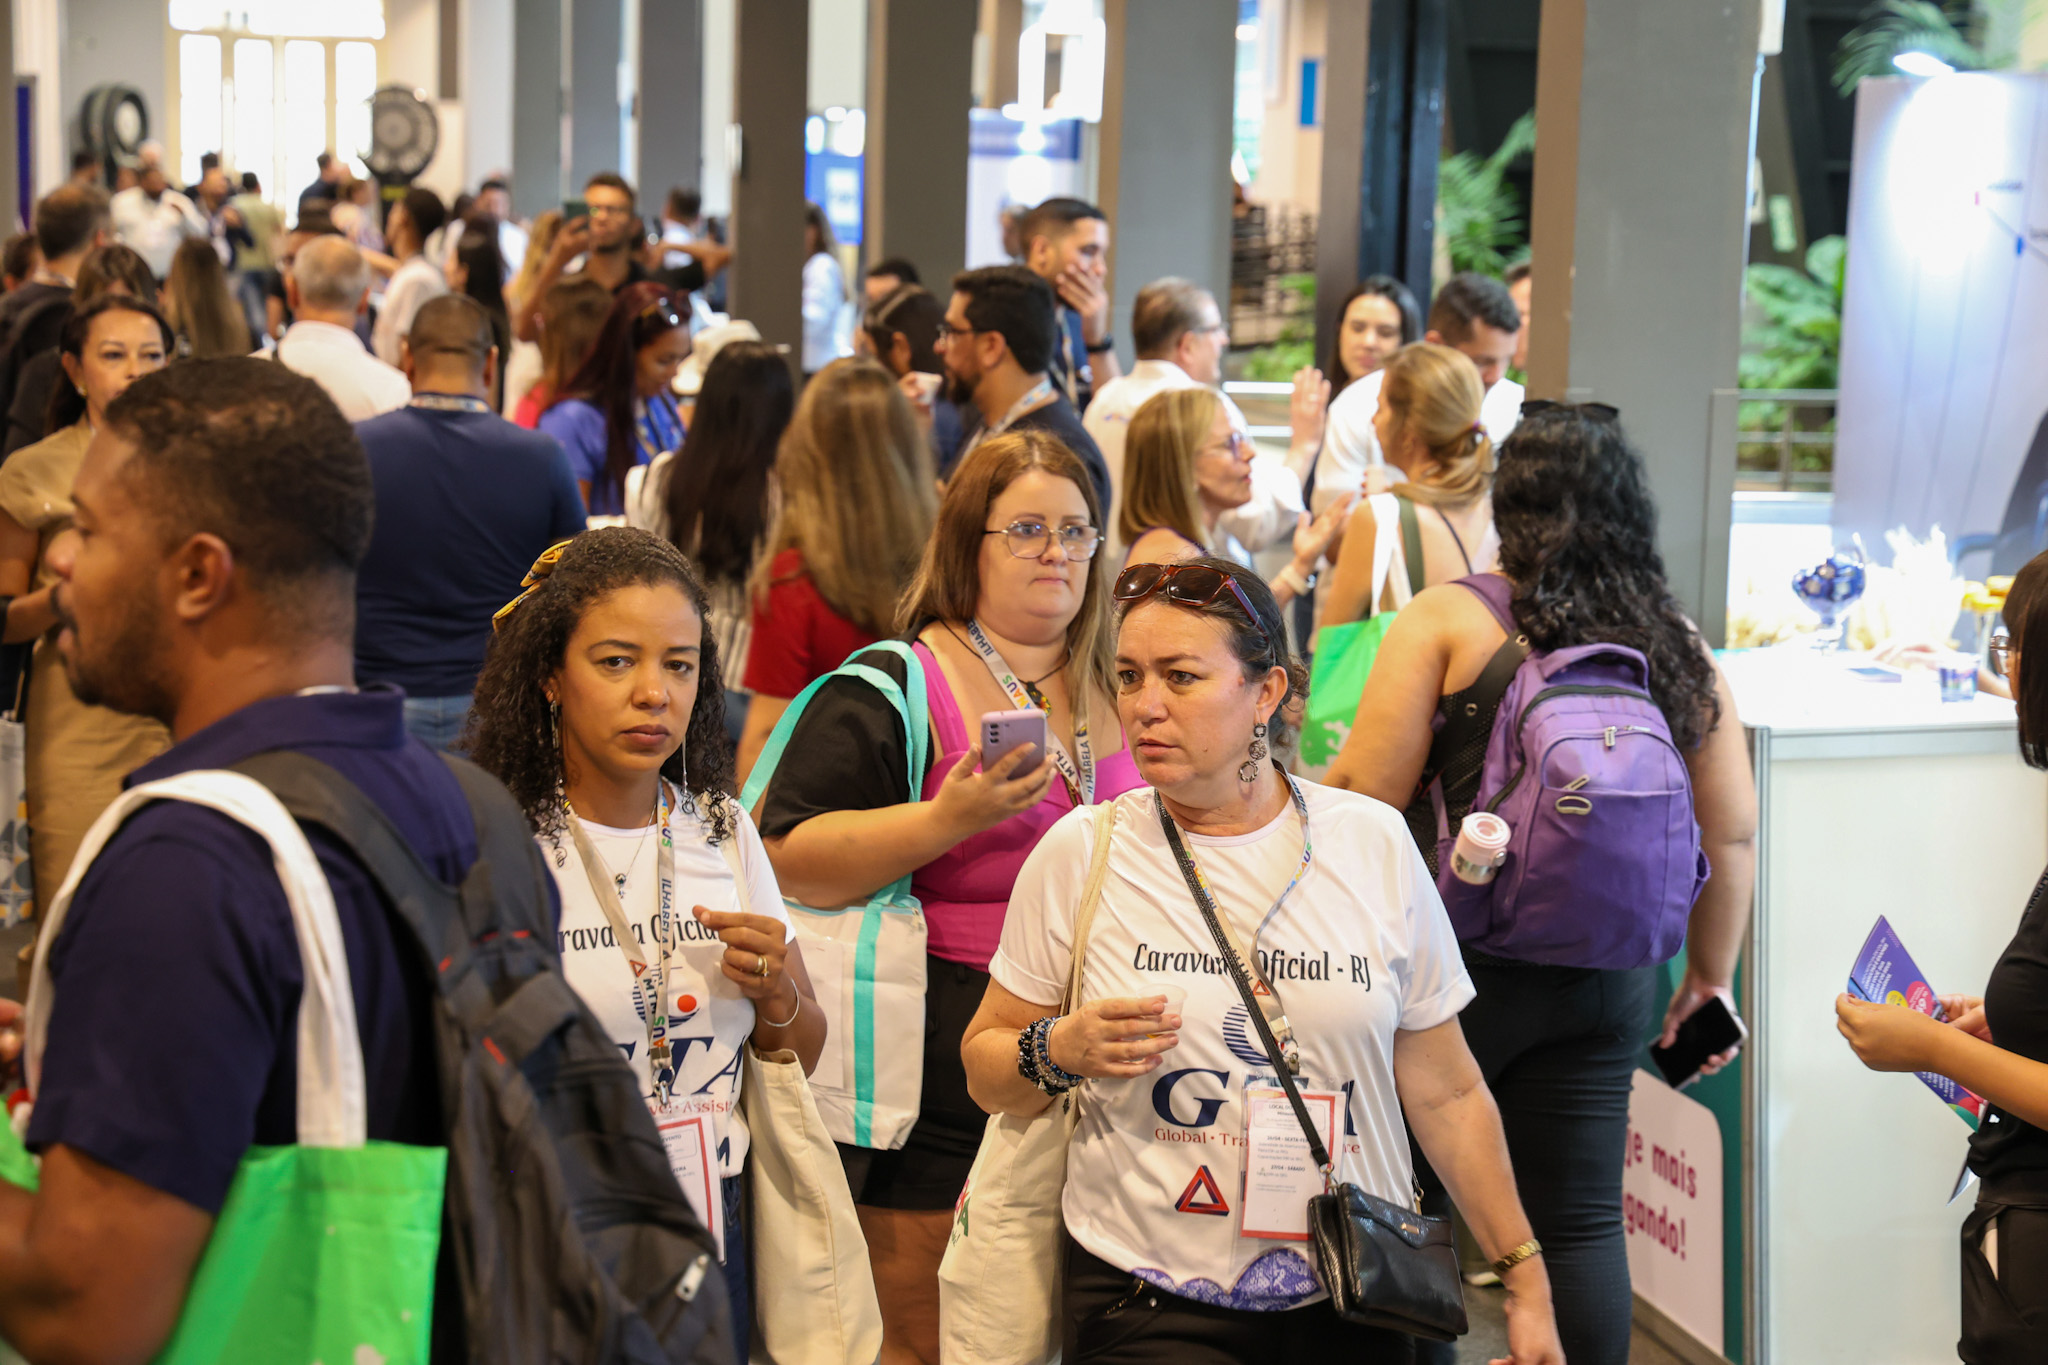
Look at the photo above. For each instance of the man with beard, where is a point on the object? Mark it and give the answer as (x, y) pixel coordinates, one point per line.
(995, 342)
(222, 510)
(606, 244)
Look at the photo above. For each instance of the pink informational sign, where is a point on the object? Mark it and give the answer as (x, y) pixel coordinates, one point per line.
(1671, 1206)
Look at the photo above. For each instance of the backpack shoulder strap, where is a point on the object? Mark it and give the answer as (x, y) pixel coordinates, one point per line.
(1411, 545)
(906, 697)
(1482, 698)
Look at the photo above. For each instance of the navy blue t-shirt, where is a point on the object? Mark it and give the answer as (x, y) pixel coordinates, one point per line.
(173, 1040)
(466, 501)
(1058, 418)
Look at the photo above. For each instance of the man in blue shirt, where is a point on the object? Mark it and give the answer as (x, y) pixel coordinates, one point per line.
(466, 501)
(222, 511)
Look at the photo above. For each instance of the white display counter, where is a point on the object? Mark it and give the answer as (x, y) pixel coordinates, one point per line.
(1876, 799)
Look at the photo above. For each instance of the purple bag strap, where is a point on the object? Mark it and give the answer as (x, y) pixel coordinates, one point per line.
(1494, 590)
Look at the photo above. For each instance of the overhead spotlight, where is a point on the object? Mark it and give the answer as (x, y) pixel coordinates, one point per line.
(1914, 62)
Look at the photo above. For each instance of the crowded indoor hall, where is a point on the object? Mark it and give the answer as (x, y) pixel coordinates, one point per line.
(996, 682)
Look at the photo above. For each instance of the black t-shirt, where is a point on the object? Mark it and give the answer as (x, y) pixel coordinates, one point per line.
(681, 279)
(854, 753)
(1058, 418)
(2008, 1153)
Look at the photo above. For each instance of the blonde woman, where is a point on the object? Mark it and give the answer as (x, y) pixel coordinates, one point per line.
(1429, 426)
(856, 495)
(523, 367)
(1185, 465)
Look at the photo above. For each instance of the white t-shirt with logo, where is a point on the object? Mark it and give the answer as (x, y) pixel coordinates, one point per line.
(709, 1020)
(1362, 947)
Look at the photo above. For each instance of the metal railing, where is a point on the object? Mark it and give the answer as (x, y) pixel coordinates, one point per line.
(1768, 456)
(1272, 253)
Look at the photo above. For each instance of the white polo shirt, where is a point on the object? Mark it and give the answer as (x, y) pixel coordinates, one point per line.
(361, 385)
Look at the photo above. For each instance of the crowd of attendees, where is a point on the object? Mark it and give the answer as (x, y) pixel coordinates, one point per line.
(726, 621)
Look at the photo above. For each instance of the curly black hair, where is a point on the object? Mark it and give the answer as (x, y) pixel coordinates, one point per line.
(511, 733)
(1578, 539)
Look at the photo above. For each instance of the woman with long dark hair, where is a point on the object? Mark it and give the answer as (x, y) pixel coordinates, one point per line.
(1558, 1045)
(1995, 1044)
(600, 708)
(479, 271)
(616, 410)
(44, 401)
(1377, 318)
(711, 497)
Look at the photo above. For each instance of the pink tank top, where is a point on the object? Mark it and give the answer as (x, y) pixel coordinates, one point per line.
(966, 891)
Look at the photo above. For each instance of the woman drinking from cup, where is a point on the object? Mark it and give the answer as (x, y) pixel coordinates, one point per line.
(1328, 896)
(1007, 612)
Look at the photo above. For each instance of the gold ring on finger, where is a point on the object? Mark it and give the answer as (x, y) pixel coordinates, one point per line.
(761, 969)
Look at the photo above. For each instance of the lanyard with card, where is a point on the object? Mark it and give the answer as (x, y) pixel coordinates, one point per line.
(1078, 775)
(650, 979)
(1280, 1170)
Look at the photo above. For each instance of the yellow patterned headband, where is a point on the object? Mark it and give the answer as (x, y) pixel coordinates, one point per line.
(535, 576)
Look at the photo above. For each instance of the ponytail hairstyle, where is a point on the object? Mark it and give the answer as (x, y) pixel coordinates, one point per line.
(1434, 395)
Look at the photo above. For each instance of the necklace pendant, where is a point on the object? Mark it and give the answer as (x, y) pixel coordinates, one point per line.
(620, 878)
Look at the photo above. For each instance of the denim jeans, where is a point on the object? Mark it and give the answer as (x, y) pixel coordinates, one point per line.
(437, 721)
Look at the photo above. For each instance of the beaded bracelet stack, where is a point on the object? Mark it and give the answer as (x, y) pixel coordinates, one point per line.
(1035, 1063)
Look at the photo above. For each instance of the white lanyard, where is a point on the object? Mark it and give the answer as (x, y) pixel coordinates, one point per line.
(1030, 402)
(1080, 778)
(650, 981)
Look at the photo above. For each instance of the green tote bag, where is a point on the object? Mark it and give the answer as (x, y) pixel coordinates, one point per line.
(1344, 655)
(324, 1251)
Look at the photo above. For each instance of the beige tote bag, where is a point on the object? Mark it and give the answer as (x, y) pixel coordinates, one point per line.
(999, 1283)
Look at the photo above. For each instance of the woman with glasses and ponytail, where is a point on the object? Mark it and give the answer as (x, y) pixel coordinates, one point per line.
(1171, 1253)
(601, 708)
(1007, 612)
(617, 410)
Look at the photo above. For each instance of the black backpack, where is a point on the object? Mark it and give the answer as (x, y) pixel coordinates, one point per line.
(564, 1234)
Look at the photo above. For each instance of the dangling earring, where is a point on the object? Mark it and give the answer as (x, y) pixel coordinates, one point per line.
(561, 795)
(1248, 771)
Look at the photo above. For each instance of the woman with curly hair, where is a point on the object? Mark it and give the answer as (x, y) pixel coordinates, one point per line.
(1558, 1045)
(601, 707)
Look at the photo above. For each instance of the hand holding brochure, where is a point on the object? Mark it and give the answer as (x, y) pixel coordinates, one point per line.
(1885, 974)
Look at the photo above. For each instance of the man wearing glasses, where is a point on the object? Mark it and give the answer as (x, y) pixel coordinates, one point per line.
(996, 341)
(606, 243)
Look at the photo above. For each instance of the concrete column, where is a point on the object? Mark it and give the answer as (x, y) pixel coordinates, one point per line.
(596, 38)
(1638, 229)
(1348, 25)
(671, 98)
(537, 113)
(918, 94)
(770, 46)
(1164, 167)
(487, 103)
(1000, 25)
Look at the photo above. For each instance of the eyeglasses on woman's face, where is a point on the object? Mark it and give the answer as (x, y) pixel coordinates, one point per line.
(2001, 651)
(1033, 539)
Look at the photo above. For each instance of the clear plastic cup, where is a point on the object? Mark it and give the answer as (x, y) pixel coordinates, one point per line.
(1176, 996)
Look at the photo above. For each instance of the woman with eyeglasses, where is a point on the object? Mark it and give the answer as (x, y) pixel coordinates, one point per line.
(1428, 424)
(1559, 1044)
(1185, 465)
(1170, 1257)
(616, 410)
(1008, 611)
(853, 495)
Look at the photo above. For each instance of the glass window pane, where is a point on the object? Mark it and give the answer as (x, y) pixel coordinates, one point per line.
(284, 18)
(305, 113)
(199, 101)
(355, 80)
(256, 112)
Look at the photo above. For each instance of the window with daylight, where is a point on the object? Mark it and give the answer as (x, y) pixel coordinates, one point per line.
(270, 84)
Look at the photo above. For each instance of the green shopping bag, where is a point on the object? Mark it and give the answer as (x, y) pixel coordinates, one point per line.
(1343, 655)
(324, 1252)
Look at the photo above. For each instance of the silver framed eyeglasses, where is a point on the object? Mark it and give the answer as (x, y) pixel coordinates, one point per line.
(1031, 539)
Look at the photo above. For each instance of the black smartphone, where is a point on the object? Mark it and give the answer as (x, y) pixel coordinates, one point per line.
(1711, 1031)
(575, 208)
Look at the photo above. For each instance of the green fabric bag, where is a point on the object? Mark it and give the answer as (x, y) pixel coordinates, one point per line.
(324, 1252)
(1343, 655)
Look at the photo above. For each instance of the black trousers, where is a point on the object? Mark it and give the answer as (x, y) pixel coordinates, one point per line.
(1559, 1047)
(2005, 1314)
(1112, 1317)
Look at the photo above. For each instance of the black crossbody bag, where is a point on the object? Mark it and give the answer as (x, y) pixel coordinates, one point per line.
(1383, 1265)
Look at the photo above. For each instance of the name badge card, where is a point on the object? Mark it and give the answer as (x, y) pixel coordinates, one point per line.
(1280, 1174)
(688, 1141)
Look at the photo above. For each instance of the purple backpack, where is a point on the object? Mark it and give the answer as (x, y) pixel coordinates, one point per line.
(1603, 859)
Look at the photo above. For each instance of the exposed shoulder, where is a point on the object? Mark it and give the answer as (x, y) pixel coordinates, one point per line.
(1160, 545)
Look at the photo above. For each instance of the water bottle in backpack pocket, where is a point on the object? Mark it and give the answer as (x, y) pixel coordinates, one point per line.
(1603, 859)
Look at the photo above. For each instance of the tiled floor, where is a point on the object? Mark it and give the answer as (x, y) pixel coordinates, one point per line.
(1488, 1339)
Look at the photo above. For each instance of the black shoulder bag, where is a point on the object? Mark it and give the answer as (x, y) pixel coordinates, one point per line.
(1384, 1265)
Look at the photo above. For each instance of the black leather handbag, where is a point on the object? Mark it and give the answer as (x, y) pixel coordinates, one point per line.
(1383, 1265)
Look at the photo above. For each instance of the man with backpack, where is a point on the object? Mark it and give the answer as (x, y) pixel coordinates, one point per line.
(224, 509)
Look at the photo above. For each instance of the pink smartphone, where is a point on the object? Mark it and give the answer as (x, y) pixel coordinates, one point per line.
(1003, 732)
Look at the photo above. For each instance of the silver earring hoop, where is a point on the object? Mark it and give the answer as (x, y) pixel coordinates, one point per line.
(1248, 771)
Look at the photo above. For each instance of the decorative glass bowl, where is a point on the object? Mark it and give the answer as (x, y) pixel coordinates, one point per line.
(1830, 588)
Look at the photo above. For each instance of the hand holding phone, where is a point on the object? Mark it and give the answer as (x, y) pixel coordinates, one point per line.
(1005, 732)
(1708, 1032)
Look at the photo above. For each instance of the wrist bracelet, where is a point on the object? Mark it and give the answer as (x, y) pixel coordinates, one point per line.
(1291, 577)
(1525, 1251)
(1034, 1059)
(770, 1023)
(1108, 343)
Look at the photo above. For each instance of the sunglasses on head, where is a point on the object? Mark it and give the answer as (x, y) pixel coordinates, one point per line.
(1188, 585)
(1597, 412)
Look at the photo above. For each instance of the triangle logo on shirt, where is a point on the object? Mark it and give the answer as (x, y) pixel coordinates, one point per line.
(1202, 1196)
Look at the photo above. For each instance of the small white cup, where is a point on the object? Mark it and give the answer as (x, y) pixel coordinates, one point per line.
(1176, 996)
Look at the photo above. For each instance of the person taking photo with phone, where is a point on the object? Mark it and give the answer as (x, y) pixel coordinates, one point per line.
(1008, 611)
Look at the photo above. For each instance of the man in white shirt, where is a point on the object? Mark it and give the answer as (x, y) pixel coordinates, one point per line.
(151, 218)
(494, 197)
(328, 287)
(1179, 336)
(413, 220)
(682, 222)
(1472, 314)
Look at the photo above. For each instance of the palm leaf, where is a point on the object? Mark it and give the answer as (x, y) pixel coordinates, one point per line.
(1894, 26)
